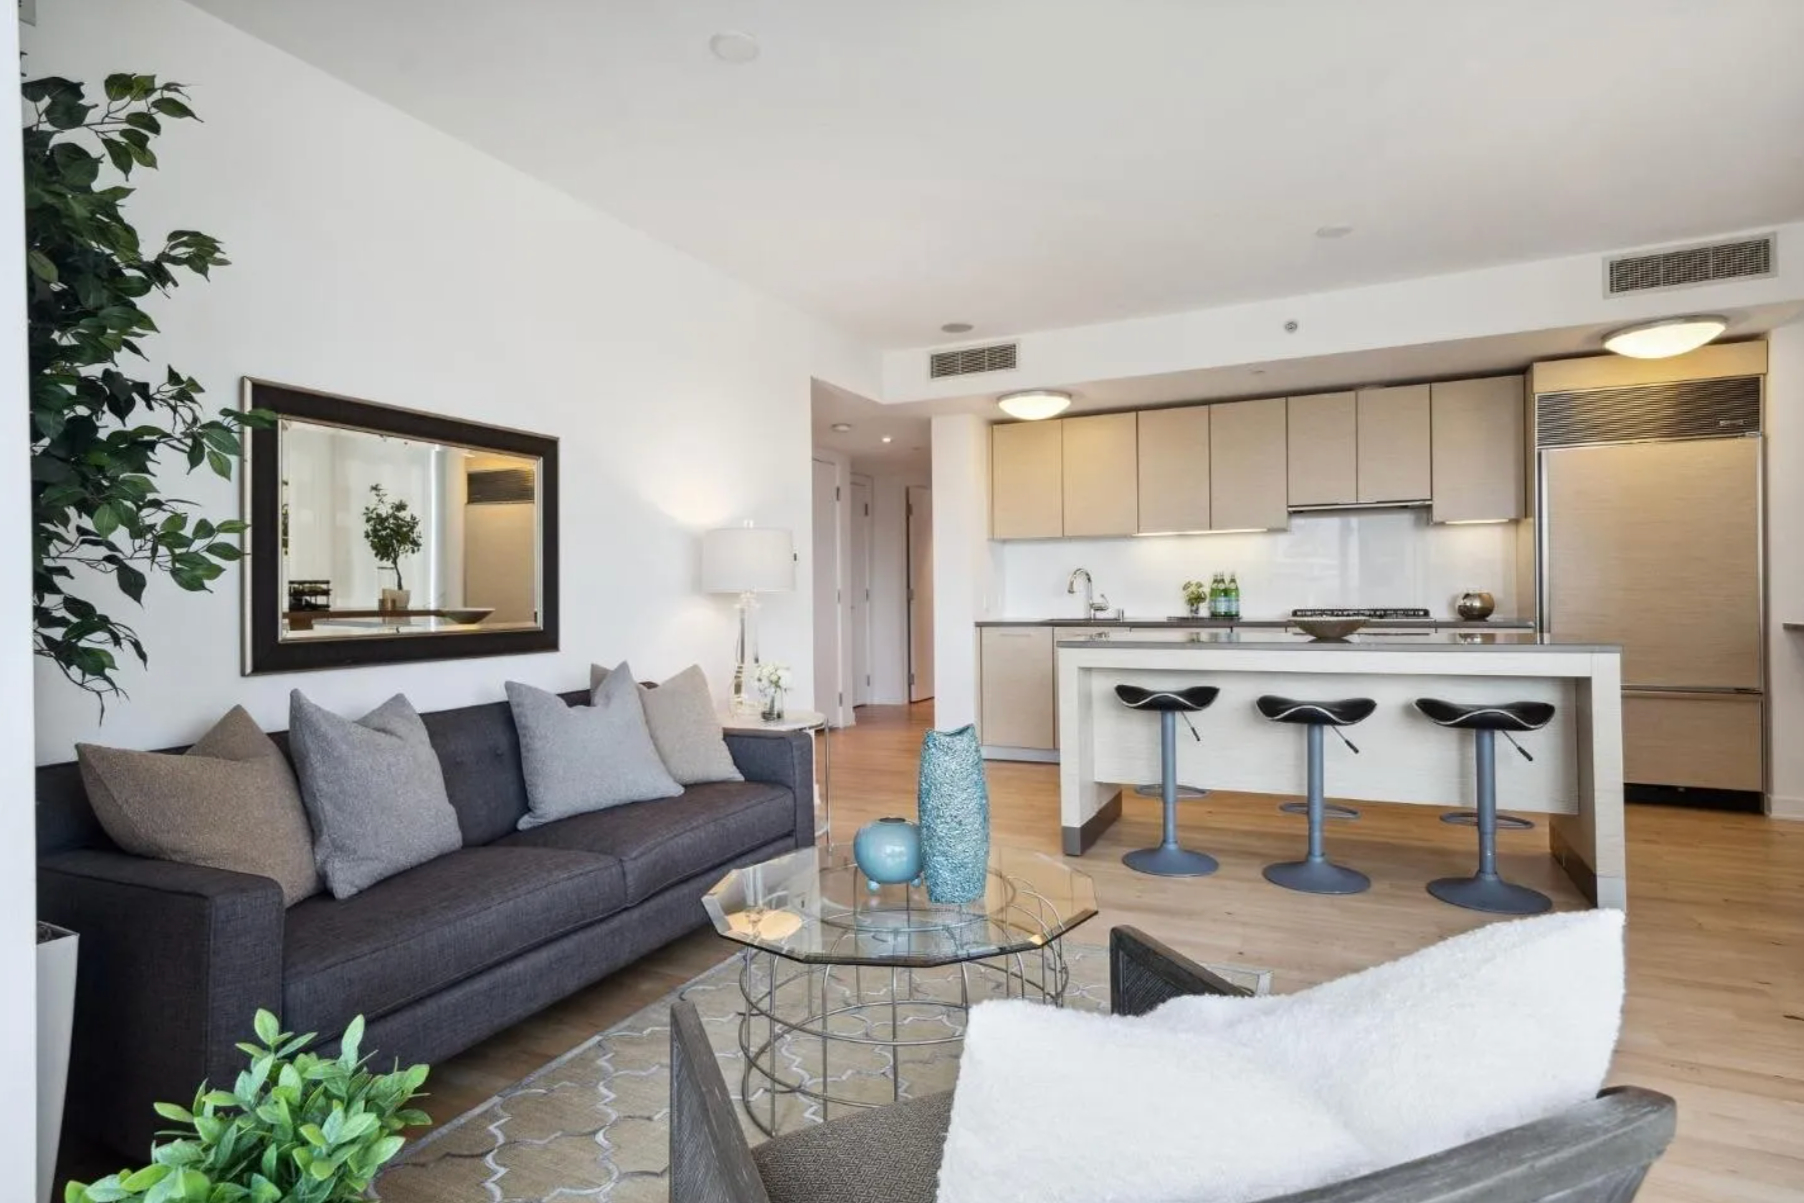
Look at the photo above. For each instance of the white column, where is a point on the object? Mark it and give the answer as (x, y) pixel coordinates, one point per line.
(1785, 568)
(966, 585)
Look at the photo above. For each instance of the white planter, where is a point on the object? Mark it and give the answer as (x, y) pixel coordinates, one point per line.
(56, 1017)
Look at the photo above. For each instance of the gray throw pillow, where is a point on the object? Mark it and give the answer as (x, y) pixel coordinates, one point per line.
(684, 726)
(228, 802)
(583, 758)
(374, 790)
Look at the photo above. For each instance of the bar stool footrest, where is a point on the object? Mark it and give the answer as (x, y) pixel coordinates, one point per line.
(1469, 818)
(1330, 810)
(1155, 790)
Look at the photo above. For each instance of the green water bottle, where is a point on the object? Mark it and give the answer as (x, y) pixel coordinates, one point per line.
(1218, 596)
(1233, 595)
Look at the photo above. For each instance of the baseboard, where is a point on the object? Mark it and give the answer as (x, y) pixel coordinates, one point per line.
(1778, 807)
(1078, 839)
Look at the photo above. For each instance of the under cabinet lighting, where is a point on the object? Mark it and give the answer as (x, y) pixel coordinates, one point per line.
(1239, 530)
(1475, 521)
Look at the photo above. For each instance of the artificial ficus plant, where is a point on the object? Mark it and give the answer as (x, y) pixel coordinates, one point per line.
(392, 530)
(294, 1128)
(98, 432)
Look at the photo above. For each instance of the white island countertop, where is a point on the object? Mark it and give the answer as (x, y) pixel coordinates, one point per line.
(1575, 778)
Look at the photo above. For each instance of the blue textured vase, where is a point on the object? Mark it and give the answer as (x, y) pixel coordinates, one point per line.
(955, 816)
(888, 852)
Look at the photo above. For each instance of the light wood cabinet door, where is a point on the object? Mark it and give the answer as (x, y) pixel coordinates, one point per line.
(1016, 706)
(1027, 480)
(1394, 444)
(1478, 450)
(1323, 437)
(1102, 493)
(1248, 483)
(1174, 469)
(1695, 740)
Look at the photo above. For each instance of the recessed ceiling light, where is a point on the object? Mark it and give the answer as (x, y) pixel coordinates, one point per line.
(733, 47)
(957, 327)
(886, 438)
(841, 427)
(1030, 405)
(1334, 231)
(1666, 337)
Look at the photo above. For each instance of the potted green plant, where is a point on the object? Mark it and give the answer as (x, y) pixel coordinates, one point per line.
(294, 1128)
(1195, 594)
(392, 530)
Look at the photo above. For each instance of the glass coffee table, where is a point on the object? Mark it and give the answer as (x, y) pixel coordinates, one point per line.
(867, 977)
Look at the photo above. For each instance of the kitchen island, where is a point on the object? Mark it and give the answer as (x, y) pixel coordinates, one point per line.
(1575, 779)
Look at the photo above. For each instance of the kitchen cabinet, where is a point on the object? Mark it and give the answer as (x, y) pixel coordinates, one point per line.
(1174, 469)
(1027, 480)
(1695, 740)
(1478, 451)
(1016, 706)
(1323, 437)
(1101, 456)
(1248, 479)
(1395, 455)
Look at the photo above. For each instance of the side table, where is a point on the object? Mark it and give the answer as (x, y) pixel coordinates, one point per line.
(796, 720)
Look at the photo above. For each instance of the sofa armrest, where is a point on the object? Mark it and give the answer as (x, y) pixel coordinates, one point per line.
(710, 1161)
(783, 758)
(174, 961)
(1144, 973)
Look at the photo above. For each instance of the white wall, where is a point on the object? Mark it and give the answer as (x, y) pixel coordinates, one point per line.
(966, 577)
(1785, 566)
(18, 860)
(1372, 558)
(889, 584)
(375, 257)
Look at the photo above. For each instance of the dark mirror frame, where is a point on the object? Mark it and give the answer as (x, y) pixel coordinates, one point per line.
(264, 650)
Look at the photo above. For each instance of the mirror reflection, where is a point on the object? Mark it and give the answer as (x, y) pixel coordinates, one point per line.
(385, 536)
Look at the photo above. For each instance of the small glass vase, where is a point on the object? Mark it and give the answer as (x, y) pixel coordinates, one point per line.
(773, 707)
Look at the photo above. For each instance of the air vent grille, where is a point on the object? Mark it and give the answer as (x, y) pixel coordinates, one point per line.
(1737, 260)
(501, 486)
(1689, 409)
(968, 361)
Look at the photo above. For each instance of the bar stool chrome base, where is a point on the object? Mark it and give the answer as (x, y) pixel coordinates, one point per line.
(1492, 894)
(1318, 877)
(1469, 818)
(1171, 862)
(1330, 810)
(1158, 791)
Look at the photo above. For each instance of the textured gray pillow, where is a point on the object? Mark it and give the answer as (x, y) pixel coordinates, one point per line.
(583, 758)
(374, 790)
(228, 802)
(684, 726)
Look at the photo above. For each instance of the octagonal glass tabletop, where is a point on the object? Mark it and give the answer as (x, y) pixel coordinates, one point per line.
(814, 905)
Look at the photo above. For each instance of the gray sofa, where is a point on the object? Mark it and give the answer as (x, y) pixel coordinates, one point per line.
(175, 959)
(1597, 1152)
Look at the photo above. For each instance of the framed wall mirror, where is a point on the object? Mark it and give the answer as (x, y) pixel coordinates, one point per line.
(382, 535)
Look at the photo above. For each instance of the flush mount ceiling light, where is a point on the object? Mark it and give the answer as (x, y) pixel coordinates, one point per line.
(734, 48)
(841, 427)
(957, 328)
(1334, 231)
(1033, 404)
(886, 438)
(1666, 337)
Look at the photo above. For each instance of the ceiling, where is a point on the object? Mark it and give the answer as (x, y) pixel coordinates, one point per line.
(907, 429)
(1033, 164)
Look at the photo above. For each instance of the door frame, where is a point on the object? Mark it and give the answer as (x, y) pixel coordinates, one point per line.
(860, 567)
(911, 579)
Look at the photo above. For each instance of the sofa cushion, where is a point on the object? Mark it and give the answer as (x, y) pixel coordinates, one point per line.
(660, 843)
(480, 752)
(887, 1155)
(422, 930)
(583, 758)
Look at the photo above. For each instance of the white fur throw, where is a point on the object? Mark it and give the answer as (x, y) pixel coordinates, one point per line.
(1218, 1100)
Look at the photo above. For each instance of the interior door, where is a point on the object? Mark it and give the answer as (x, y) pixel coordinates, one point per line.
(920, 593)
(858, 592)
(826, 590)
(1656, 546)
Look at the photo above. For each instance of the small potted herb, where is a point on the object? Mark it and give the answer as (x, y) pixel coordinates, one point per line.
(1195, 594)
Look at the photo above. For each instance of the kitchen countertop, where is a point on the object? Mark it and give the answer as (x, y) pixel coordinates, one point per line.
(1273, 624)
(1440, 641)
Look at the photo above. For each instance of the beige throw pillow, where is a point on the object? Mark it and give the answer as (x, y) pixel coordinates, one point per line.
(684, 726)
(228, 802)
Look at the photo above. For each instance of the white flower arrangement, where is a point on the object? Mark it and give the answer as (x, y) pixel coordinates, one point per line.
(772, 678)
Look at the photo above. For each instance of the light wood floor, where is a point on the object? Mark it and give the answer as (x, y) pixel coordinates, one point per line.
(1715, 1014)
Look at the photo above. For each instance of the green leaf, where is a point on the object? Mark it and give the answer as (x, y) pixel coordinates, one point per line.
(40, 265)
(146, 1178)
(171, 1111)
(220, 464)
(225, 551)
(170, 107)
(106, 519)
(350, 1042)
(131, 582)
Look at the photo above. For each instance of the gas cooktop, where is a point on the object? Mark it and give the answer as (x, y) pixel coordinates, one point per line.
(1377, 612)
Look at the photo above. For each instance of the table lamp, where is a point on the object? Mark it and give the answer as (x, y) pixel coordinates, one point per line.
(747, 560)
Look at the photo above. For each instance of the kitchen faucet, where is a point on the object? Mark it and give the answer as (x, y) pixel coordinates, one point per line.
(1092, 607)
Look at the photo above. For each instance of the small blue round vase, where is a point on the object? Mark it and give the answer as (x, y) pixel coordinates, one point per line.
(888, 852)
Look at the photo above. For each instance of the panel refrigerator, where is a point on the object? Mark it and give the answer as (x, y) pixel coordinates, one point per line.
(1656, 545)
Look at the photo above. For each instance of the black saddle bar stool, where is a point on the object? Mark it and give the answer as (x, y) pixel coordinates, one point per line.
(1169, 860)
(1315, 873)
(1485, 890)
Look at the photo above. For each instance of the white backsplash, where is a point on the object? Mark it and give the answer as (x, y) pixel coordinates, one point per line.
(1369, 558)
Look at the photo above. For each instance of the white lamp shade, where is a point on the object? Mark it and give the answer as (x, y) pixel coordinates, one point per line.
(748, 559)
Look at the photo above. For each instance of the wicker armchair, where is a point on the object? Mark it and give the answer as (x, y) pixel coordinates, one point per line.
(1594, 1153)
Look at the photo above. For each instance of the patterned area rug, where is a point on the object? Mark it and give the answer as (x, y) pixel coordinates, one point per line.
(592, 1124)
